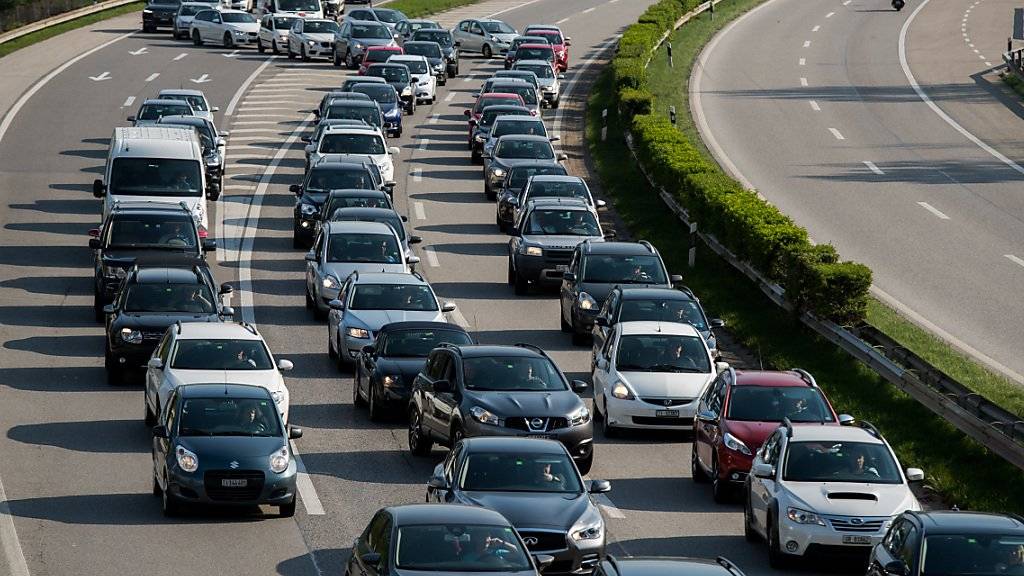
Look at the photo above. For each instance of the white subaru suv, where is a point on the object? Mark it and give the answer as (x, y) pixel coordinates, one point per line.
(817, 489)
(212, 353)
(344, 143)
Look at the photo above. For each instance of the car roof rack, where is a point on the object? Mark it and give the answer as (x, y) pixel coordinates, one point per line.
(249, 327)
(869, 427)
(788, 425)
(728, 565)
(532, 347)
(805, 376)
(649, 246)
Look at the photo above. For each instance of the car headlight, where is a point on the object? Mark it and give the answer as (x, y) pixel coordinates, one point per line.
(439, 67)
(587, 302)
(278, 396)
(131, 336)
(310, 43)
(579, 417)
(733, 443)
(394, 112)
(239, 32)
(803, 516)
(359, 45)
(331, 283)
(498, 172)
(279, 460)
(212, 161)
(590, 532)
(479, 139)
(360, 333)
(308, 209)
(485, 416)
(392, 381)
(187, 460)
(147, 11)
(621, 391)
(532, 251)
(114, 272)
(407, 91)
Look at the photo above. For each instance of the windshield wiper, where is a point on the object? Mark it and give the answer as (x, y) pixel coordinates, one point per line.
(670, 368)
(635, 367)
(194, 432)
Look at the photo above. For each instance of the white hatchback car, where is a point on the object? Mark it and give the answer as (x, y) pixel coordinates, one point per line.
(651, 375)
(821, 488)
(421, 73)
(311, 38)
(355, 144)
(274, 31)
(227, 27)
(212, 353)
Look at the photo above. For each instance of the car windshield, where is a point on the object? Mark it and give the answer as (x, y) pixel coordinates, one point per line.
(283, 22)
(220, 354)
(390, 73)
(196, 101)
(497, 27)
(518, 176)
(426, 49)
(520, 75)
(535, 53)
(409, 297)
(507, 472)
(371, 31)
(662, 353)
(337, 202)
(442, 37)
(673, 310)
(834, 461)
(416, 66)
(417, 342)
(455, 548)
(511, 374)
(527, 92)
(482, 103)
(381, 93)
(351, 144)
(228, 416)
(562, 222)
(158, 111)
(319, 27)
(528, 40)
(298, 6)
(551, 37)
(541, 70)
(174, 232)
(348, 112)
(183, 298)
(363, 248)
(524, 149)
(326, 179)
(491, 113)
(191, 10)
(389, 16)
(393, 220)
(622, 269)
(532, 127)
(773, 403)
(238, 17)
(977, 555)
(381, 55)
(155, 177)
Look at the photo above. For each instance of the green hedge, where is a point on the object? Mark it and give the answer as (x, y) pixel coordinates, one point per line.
(813, 276)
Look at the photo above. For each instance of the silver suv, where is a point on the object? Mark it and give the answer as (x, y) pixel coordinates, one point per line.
(544, 237)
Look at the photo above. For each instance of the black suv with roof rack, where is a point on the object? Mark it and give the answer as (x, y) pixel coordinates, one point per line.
(598, 267)
(467, 391)
(148, 302)
(144, 233)
(318, 182)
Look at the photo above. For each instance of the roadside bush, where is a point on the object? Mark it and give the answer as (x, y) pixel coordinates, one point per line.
(634, 101)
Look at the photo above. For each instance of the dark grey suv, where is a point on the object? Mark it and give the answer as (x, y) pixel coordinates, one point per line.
(468, 391)
(543, 240)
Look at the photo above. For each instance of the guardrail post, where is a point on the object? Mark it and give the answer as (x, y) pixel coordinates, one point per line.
(604, 125)
(692, 257)
(672, 114)
(711, 8)
(671, 62)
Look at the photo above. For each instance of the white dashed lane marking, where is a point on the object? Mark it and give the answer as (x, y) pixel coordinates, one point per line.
(871, 166)
(933, 210)
(814, 106)
(837, 134)
(1014, 259)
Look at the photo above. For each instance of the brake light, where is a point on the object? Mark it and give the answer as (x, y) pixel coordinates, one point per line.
(202, 232)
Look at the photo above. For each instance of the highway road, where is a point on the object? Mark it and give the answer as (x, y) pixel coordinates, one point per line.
(74, 454)
(890, 136)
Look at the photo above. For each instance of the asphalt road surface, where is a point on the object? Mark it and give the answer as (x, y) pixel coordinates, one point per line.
(890, 136)
(74, 456)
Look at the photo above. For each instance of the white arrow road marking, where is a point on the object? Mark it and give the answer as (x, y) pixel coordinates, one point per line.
(153, 76)
(101, 77)
(138, 52)
(201, 79)
(180, 56)
(231, 55)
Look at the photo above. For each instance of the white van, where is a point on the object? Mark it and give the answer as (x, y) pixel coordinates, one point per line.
(301, 8)
(155, 164)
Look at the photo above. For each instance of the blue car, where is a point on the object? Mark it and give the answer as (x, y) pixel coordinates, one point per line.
(390, 104)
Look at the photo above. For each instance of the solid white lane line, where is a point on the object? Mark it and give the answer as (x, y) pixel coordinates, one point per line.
(1014, 259)
(245, 86)
(250, 130)
(431, 257)
(304, 485)
(803, 61)
(180, 56)
(816, 28)
(933, 210)
(253, 122)
(153, 76)
(239, 186)
(814, 106)
(424, 143)
(511, 8)
(563, 20)
(589, 10)
(417, 175)
(987, 63)
(449, 97)
(836, 133)
(265, 102)
(128, 102)
(803, 81)
(419, 211)
(871, 166)
(970, 44)
(807, 43)
(434, 118)
(264, 108)
(16, 563)
(830, 14)
(981, 56)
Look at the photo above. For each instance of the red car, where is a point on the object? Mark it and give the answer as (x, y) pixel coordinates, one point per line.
(738, 412)
(378, 55)
(559, 44)
(489, 99)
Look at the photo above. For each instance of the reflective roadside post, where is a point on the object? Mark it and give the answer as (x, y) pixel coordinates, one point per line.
(671, 62)
(672, 114)
(604, 125)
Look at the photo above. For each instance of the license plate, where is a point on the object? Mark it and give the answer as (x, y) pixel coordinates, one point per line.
(545, 436)
(234, 482)
(667, 413)
(858, 540)
(562, 267)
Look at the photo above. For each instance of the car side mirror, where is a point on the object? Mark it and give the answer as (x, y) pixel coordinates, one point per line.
(94, 232)
(567, 41)
(915, 474)
(215, 109)
(209, 245)
(306, 139)
(438, 483)
(611, 235)
(415, 240)
(221, 142)
(675, 278)
(475, 94)
(310, 256)
(390, 184)
(458, 44)
(227, 311)
(601, 321)
(543, 561)
(762, 470)
(600, 486)
(285, 365)
(562, 157)
(442, 386)
(108, 309)
(706, 416)
(368, 349)
(569, 277)
(600, 203)
(370, 558)
(95, 243)
(561, 76)
(847, 420)
(554, 138)
(394, 150)
(336, 304)
(225, 133)
(721, 366)
(716, 323)
(467, 113)
(294, 432)
(226, 288)
(448, 307)
(98, 188)
(130, 118)
(155, 364)
(412, 259)
(578, 386)
(295, 189)
(896, 568)
(160, 432)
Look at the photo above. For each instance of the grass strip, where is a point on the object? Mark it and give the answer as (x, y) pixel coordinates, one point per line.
(417, 8)
(40, 35)
(963, 472)
(1013, 82)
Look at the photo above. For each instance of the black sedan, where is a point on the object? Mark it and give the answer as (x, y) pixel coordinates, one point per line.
(223, 444)
(535, 485)
(385, 370)
(441, 539)
(661, 565)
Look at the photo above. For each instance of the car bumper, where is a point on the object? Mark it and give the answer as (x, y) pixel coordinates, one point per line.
(636, 413)
(583, 320)
(579, 559)
(733, 466)
(305, 228)
(351, 347)
(320, 51)
(201, 487)
(157, 20)
(538, 269)
(549, 97)
(133, 356)
(578, 440)
(799, 539)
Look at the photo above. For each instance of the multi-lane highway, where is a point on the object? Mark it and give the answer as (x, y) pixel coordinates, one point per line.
(890, 136)
(74, 454)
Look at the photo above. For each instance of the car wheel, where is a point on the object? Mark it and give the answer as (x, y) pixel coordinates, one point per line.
(719, 488)
(522, 287)
(97, 306)
(607, 430)
(169, 505)
(580, 338)
(749, 533)
(320, 315)
(296, 241)
(350, 62)
(475, 157)
(555, 104)
(305, 56)
(229, 41)
(310, 304)
(259, 46)
(150, 418)
(399, 133)
(197, 40)
(156, 487)
(586, 464)
(419, 443)
(274, 48)
(357, 398)
(291, 55)
(486, 51)
(491, 193)
(776, 557)
(287, 510)
(376, 410)
(511, 279)
(332, 353)
(115, 374)
(696, 472)
(566, 327)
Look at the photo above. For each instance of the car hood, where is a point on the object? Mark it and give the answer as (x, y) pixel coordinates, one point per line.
(513, 162)
(667, 384)
(600, 291)
(159, 320)
(163, 8)
(435, 61)
(243, 26)
(753, 434)
(407, 367)
(375, 319)
(378, 159)
(216, 452)
(566, 242)
(372, 41)
(269, 379)
(852, 498)
(399, 86)
(506, 38)
(125, 258)
(319, 36)
(546, 82)
(341, 270)
(527, 404)
(185, 19)
(532, 510)
(408, 572)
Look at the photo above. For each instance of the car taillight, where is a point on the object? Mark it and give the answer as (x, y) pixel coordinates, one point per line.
(202, 232)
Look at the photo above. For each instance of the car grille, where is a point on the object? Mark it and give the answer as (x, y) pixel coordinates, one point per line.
(215, 491)
(852, 524)
(668, 402)
(253, 35)
(558, 256)
(655, 421)
(326, 45)
(152, 335)
(520, 423)
(542, 540)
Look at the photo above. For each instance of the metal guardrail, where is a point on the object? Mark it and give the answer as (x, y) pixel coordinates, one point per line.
(1014, 60)
(62, 18)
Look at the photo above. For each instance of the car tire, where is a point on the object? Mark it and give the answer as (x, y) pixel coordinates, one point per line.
(97, 307)
(696, 472)
(521, 286)
(486, 51)
(607, 430)
(197, 40)
(150, 418)
(719, 488)
(115, 374)
(776, 557)
(274, 48)
(566, 327)
(332, 353)
(419, 443)
(156, 487)
(586, 464)
(229, 41)
(749, 533)
(357, 398)
(169, 505)
(491, 193)
(287, 510)
(475, 157)
(303, 55)
(296, 241)
(399, 133)
(511, 278)
(580, 338)
(335, 59)
(555, 104)
(291, 55)
(350, 62)
(373, 404)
